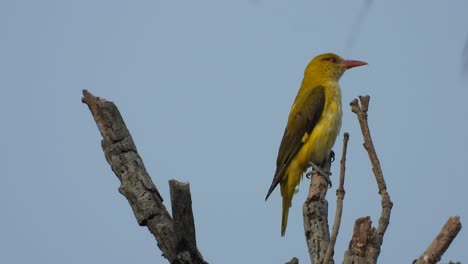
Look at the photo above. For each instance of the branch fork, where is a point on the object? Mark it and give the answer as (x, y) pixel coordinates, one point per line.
(175, 235)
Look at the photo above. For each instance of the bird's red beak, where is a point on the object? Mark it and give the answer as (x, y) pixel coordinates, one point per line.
(353, 63)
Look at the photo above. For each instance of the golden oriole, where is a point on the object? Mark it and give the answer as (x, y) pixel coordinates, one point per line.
(313, 125)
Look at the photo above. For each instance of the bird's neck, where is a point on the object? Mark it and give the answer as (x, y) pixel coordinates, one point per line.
(333, 94)
(333, 89)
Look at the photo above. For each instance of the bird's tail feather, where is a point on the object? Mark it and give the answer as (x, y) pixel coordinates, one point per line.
(276, 180)
(287, 197)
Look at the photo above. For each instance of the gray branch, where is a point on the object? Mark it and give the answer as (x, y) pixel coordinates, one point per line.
(440, 244)
(184, 224)
(340, 193)
(315, 215)
(176, 236)
(366, 242)
(136, 185)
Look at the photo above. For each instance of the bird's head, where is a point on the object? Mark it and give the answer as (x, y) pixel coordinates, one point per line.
(330, 66)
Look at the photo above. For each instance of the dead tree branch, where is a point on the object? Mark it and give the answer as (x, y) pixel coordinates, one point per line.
(340, 193)
(442, 241)
(176, 236)
(136, 185)
(184, 224)
(315, 215)
(366, 243)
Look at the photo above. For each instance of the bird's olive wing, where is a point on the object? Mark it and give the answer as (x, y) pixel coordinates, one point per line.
(304, 115)
(307, 110)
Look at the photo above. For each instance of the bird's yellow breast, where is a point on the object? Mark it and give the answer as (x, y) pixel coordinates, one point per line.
(318, 144)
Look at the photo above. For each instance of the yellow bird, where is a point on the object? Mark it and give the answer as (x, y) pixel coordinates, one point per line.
(313, 125)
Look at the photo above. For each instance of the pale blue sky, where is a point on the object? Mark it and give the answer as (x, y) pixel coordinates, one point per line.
(205, 88)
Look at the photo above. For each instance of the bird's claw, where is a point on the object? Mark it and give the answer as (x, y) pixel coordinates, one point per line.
(332, 157)
(320, 171)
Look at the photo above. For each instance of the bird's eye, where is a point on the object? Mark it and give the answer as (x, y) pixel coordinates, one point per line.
(332, 59)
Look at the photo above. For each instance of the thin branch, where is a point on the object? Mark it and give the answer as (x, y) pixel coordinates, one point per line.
(136, 184)
(340, 193)
(375, 237)
(387, 204)
(442, 241)
(315, 215)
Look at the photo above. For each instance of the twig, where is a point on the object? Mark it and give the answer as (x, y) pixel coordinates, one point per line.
(340, 193)
(442, 241)
(136, 184)
(374, 237)
(315, 215)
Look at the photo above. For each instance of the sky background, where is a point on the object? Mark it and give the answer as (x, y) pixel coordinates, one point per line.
(205, 88)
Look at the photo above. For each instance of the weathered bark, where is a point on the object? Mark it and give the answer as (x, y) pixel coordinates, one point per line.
(136, 184)
(184, 224)
(359, 245)
(315, 215)
(440, 244)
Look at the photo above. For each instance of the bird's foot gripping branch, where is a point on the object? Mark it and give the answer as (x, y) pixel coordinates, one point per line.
(321, 171)
(313, 124)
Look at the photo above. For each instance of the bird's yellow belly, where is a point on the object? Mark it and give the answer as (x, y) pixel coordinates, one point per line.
(318, 144)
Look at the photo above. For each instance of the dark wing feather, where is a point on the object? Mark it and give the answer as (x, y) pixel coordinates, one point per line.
(309, 108)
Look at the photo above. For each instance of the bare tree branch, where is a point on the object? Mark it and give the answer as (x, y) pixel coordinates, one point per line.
(374, 237)
(340, 193)
(176, 237)
(442, 241)
(315, 215)
(184, 224)
(360, 242)
(136, 184)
